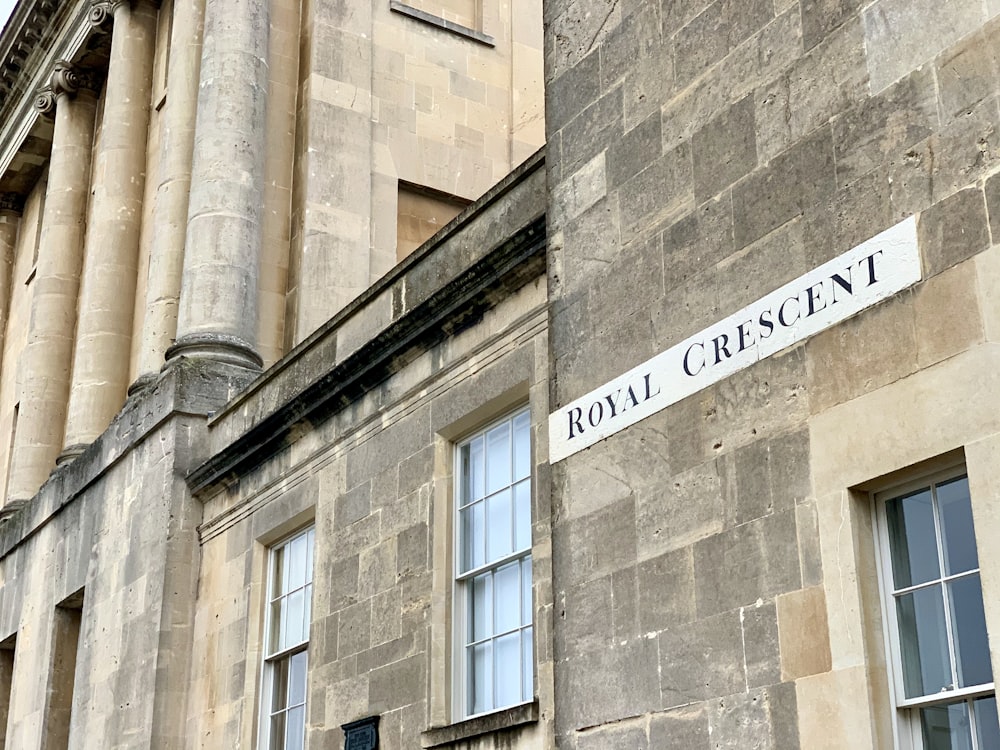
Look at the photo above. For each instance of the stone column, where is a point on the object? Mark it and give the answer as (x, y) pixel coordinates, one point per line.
(217, 318)
(166, 255)
(107, 293)
(44, 367)
(11, 206)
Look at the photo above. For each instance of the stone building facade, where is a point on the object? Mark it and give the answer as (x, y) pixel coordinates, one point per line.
(679, 435)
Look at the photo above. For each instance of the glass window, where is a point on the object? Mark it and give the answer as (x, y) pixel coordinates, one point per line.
(286, 660)
(494, 567)
(934, 605)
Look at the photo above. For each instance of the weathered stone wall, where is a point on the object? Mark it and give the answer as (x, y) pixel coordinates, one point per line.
(375, 476)
(713, 564)
(119, 527)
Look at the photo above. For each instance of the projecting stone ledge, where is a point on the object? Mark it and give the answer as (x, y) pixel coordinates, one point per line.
(187, 388)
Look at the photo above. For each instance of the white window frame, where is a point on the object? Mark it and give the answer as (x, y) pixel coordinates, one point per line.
(271, 660)
(461, 585)
(907, 727)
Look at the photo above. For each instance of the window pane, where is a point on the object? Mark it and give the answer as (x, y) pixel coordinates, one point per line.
(498, 457)
(307, 613)
(295, 735)
(508, 669)
(522, 445)
(987, 726)
(279, 685)
(526, 608)
(481, 677)
(946, 727)
(473, 471)
(968, 624)
(481, 608)
(522, 513)
(311, 542)
(923, 642)
(959, 540)
(277, 731)
(527, 664)
(507, 589)
(273, 642)
(499, 542)
(473, 536)
(912, 539)
(297, 679)
(279, 575)
(292, 626)
(296, 562)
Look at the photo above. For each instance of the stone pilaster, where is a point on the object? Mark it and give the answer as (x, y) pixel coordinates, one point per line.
(217, 317)
(107, 294)
(44, 367)
(166, 255)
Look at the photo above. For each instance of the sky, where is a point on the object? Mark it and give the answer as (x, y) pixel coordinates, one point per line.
(6, 6)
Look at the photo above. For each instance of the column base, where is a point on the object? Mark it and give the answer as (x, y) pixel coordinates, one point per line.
(70, 453)
(219, 347)
(142, 382)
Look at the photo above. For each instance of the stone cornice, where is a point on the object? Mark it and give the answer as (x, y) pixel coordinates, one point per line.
(28, 25)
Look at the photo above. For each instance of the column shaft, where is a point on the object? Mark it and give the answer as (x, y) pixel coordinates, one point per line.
(10, 221)
(218, 305)
(166, 255)
(107, 294)
(44, 368)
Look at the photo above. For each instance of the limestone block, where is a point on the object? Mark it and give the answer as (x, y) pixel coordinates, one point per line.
(804, 634)
(698, 240)
(581, 30)
(397, 684)
(761, 645)
(581, 542)
(646, 86)
(856, 213)
(623, 735)
(624, 605)
(947, 314)
(953, 230)
(967, 72)
(666, 591)
(796, 180)
(688, 507)
(810, 556)
(715, 32)
(760, 559)
(634, 151)
(880, 344)
(766, 53)
(585, 623)
(900, 36)
(702, 659)
(684, 727)
(630, 685)
(885, 125)
(829, 705)
(657, 195)
(962, 152)
(988, 273)
(582, 190)
(820, 17)
(724, 150)
(593, 130)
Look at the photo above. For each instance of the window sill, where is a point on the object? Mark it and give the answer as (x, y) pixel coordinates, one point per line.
(441, 23)
(498, 721)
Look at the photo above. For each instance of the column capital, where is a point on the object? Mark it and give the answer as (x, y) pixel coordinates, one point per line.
(102, 13)
(11, 202)
(66, 78)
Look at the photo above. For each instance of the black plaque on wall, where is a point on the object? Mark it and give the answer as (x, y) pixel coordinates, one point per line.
(361, 734)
